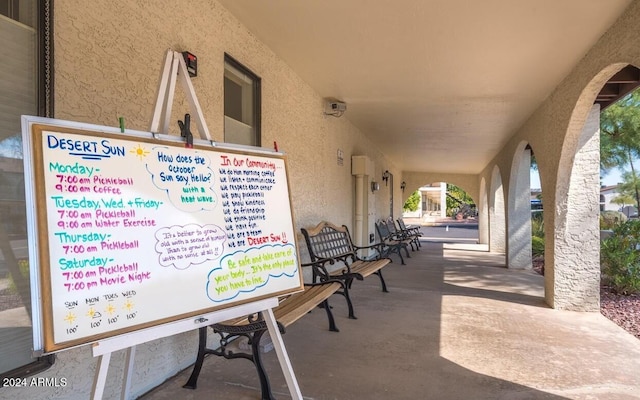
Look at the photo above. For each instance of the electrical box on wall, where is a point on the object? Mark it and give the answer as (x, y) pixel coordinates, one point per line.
(192, 63)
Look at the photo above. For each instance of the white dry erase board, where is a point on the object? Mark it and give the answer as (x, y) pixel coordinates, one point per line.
(133, 232)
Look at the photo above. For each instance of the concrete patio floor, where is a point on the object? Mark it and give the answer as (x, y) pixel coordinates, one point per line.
(454, 325)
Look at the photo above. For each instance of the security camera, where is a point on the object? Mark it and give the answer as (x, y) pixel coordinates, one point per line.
(338, 106)
(335, 108)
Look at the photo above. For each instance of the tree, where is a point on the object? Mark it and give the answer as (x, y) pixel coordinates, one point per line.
(457, 199)
(623, 199)
(620, 139)
(412, 202)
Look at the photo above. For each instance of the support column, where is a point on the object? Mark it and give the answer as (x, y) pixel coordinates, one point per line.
(443, 199)
(519, 216)
(576, 266)
(362, 169)
(497, 222)
(483, 214)
(358, 223)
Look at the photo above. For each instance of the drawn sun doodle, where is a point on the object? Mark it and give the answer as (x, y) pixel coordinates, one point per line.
(139, 151)
(70, 318)
(128, 305)
(110, 309)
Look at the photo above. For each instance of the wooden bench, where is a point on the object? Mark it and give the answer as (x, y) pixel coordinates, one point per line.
(331, 245)
(392, 242)
(253, 327)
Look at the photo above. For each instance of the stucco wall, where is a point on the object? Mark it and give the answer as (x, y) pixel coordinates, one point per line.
(120, 78)
(108, 58)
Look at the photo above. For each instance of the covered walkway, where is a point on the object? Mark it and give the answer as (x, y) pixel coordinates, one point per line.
(455, 325)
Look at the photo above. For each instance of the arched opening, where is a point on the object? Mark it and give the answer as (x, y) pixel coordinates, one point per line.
(432, 204)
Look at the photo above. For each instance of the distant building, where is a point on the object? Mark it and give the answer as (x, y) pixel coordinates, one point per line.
(608, 193)
(433, 202)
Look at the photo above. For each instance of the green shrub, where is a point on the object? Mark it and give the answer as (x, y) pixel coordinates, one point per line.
(537, 234)
(609, 219)
(620, 258)
(537, 246)
(537, 225)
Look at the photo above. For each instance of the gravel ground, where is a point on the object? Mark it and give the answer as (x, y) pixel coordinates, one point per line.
(623, 310)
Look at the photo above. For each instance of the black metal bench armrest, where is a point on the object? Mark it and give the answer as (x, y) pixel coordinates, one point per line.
(324, 282)
(320, 270)
(319, 267)
(372, 246)
(378, 247)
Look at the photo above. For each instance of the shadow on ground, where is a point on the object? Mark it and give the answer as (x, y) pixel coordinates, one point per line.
(448, 329)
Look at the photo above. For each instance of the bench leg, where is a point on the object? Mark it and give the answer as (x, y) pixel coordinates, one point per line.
(265, 386)
(382, 282)
(332, 322)
(397, 248)
(346, 295)
(255, 357)
(202, 345)
(412, 247)
(400, 255)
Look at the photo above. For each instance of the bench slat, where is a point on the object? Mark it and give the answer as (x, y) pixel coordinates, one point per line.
(294, 307)
(367, 268)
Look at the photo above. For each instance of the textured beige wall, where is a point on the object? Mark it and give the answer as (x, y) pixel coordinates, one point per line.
(125, 44)
(108, 59)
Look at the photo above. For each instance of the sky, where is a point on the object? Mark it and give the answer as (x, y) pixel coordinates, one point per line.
(612, 178)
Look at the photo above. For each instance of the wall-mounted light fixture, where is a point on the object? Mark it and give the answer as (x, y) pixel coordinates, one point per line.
(403, 185)
(385, 177)
(375, 186)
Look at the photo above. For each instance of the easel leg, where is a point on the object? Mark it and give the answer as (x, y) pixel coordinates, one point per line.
(100, 379)
(128, 372)
(283, 357)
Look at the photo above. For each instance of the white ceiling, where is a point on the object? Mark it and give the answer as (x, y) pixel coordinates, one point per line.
(438, 85)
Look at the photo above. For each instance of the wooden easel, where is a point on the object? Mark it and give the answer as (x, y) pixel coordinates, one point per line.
(174, 67)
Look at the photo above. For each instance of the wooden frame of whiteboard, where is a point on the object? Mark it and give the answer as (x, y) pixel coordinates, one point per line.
(39, 246)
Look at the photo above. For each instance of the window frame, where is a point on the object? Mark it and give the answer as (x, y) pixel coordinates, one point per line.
(45, 109)
(256, 93)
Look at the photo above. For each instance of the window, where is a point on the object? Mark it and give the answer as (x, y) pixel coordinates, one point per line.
(23, 90)
(241, 104)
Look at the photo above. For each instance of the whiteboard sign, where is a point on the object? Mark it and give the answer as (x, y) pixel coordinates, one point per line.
(134, 232)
